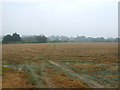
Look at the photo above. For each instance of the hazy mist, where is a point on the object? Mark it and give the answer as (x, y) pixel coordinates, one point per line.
(61, 17)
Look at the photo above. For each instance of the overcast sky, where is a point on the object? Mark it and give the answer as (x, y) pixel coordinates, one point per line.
(61, 17)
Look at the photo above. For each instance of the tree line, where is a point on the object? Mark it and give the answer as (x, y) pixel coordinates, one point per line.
(16, 38)
(81, 39)
(11, 38)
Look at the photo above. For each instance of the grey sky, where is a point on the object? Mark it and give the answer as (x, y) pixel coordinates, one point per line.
(0, 19)
(61, 17)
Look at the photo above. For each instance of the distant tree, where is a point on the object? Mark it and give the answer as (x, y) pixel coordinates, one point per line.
(16, 37)
(29, 38)
(80, 38)
(99, 39)
(41, 39)
(7, 39)
(116, 39)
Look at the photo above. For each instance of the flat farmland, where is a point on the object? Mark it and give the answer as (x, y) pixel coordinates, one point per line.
(60, 65)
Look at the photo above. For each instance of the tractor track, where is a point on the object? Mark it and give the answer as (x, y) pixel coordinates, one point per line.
(72, 74)
(39, 73)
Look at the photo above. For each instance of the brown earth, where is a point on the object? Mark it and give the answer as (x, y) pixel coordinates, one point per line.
(16, 79)
(95, 51)
(103, 53)
(59, 80)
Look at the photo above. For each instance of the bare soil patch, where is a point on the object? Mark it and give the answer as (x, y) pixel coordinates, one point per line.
(16, 79)
(64, 65)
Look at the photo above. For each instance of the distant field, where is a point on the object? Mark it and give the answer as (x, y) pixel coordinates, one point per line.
(60, 65)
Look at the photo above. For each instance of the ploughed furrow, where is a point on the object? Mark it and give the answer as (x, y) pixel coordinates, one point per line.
(50, 50)
(70, 73)
(40, 75)
(37, 75)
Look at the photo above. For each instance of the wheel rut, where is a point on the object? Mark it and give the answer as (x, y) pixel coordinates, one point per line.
(70, 73)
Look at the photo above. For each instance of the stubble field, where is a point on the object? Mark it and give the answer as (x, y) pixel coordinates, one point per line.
(60, 65)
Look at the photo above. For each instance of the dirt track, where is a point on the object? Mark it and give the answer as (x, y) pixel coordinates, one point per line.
(42, 79)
